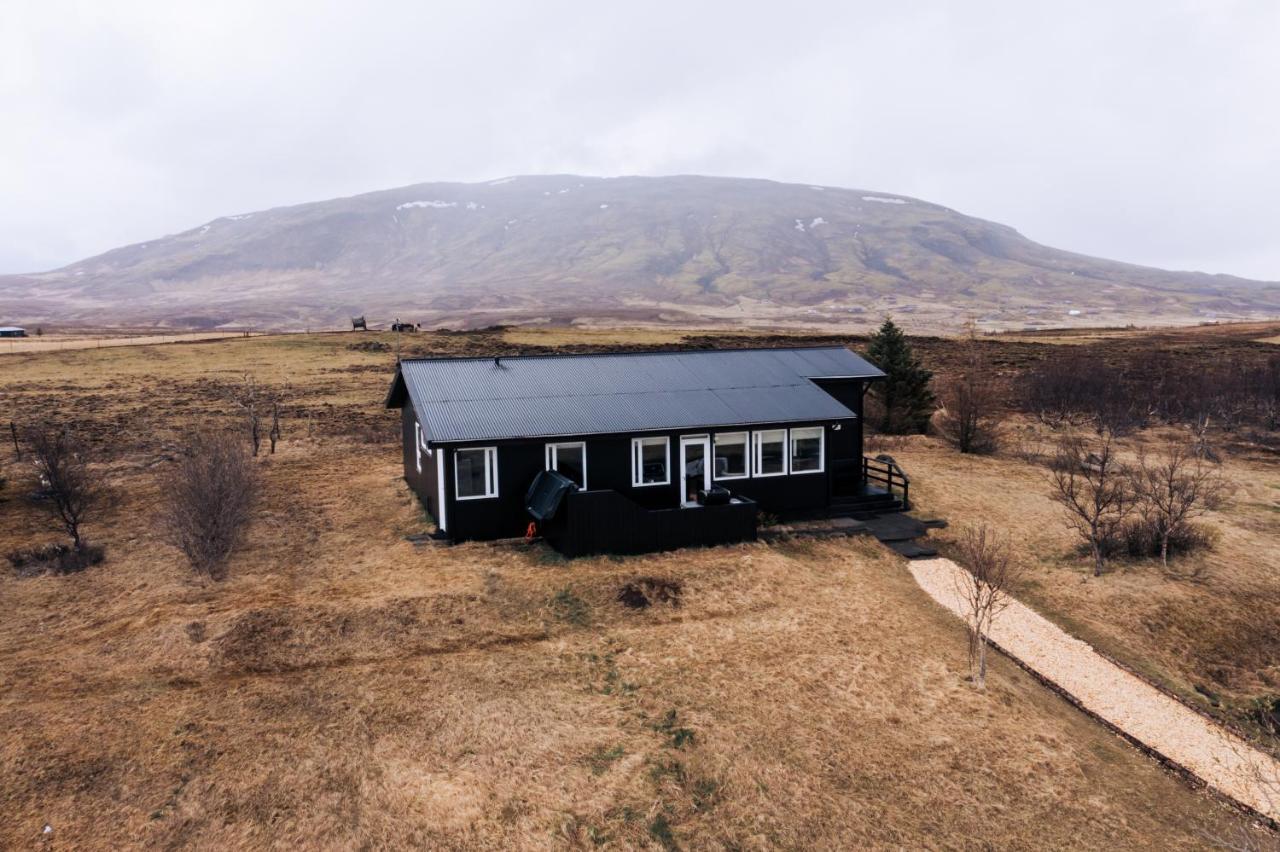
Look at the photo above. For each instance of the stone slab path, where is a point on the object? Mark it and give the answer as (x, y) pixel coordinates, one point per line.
(1161, 723)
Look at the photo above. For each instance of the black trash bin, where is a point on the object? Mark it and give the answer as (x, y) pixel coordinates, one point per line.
(546, 494)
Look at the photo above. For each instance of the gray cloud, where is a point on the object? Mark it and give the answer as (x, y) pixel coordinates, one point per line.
(1144, 132)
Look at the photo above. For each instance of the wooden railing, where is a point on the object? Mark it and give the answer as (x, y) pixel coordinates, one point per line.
(887, 473)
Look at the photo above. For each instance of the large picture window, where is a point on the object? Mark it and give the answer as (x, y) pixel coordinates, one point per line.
(731, 455)
(650, 461)
(475, 473)
(570, 460)
(806, 450)
(770, 451)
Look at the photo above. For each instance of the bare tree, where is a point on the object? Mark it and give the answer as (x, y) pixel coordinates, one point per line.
(968, 419)
(72, 489)
(209, 499)
(274, 435)
(1174, 487)
(989, 573)
(257, 402)
(1091, 484)
(249, 398)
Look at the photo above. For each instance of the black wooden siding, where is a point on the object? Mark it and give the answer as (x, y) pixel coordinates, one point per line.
(423, 484)
(609, 522)
(609, 467)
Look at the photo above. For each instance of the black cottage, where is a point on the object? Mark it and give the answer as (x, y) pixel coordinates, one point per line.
(664, 449)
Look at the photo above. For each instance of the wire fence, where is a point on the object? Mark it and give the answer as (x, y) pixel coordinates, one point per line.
(19, 345)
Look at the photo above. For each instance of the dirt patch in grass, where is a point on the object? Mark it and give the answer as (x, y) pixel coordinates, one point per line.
(644, 592)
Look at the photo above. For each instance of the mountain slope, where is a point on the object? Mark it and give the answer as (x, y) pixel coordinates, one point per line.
(559, 247)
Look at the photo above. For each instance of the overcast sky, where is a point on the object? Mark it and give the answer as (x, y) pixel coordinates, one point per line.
(1147, 132)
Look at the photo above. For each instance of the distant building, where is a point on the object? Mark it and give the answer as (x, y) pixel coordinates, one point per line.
(12, 331)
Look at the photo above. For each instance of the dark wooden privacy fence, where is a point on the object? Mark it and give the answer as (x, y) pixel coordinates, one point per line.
(887, 473)
(610, 522)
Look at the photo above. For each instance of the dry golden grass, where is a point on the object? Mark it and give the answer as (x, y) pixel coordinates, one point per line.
(344, 688)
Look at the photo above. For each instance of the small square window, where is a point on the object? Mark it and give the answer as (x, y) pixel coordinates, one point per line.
(475, 473)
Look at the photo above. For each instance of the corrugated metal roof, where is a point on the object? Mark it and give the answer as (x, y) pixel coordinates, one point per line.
(476, 399)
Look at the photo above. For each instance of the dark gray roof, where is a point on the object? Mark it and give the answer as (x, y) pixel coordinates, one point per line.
(474, 399)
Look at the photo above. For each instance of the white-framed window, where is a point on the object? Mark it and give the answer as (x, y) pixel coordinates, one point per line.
(419, 444)
(475, 473)
(730, 454)
(569, 459)
(769, 452)
(807, 449)
(651, 461)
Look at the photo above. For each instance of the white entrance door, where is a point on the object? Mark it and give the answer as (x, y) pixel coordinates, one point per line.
(695, 467)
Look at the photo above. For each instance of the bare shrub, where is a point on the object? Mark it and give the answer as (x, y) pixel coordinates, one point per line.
(1173, 487)
(1059, 389)
(989, 573)
(67, 484)
(209, 495)
(55, 559)
(1095, 489)
(1140, 538)
(1075, 387)
(969, 418)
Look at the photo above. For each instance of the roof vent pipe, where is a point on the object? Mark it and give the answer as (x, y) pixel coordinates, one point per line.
(497, 361)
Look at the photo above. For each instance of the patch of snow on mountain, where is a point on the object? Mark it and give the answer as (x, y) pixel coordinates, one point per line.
(882, 199)
(471, 205)
(204, 230)
(604, 206)
(799, 225)
(562, 191)
(818, 221)
(501, 181)
(241, 216)
(436, 204)
(1073, 313)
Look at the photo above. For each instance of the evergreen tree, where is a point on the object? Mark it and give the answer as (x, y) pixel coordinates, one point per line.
(905, 400)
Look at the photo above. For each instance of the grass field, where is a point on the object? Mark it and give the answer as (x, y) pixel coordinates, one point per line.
(346, 688)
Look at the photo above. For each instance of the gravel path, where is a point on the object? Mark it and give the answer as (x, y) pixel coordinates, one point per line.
(1163, 724)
